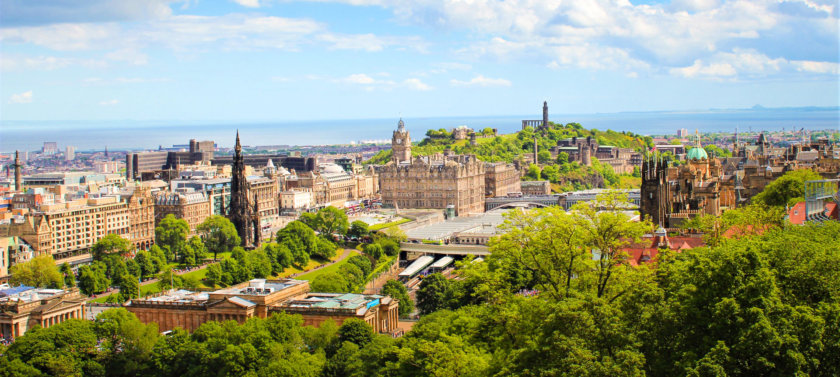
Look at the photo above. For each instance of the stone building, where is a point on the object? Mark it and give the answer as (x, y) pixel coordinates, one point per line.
(331, 185)
(23, 307)
(189, 205)
(536, 188)
(380, 312)
(264, 191)
(70, 228)
(136, 164)
(583, 150)
(260, 298)
(293, 202)
(13, 250)
(461, 132)
(500, 179)
(436, 181)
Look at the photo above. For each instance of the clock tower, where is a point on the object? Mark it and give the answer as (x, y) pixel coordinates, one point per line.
(401, 144)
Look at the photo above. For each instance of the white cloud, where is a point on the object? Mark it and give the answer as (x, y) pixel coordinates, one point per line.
(248, 3)
(643, 39)
(30, 12)
(370, 83)
(47, 63)
(416, 84)
(481, 81)
(110, 102)
(830, 68)
(742, 64)
(122, 80)
(191, 33)
(128, 55)
(25, 97)
(359, 78)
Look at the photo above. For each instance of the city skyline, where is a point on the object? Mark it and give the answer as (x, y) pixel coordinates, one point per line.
(270, 60)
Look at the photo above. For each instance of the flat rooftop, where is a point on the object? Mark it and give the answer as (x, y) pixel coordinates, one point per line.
(182, 296)
(346, 301)
(484, 223)
(261, 287)
(26, 294)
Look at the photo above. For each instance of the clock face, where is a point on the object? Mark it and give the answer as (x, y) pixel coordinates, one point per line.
(399, 141)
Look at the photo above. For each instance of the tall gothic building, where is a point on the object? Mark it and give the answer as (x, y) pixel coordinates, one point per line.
(401, 144)
(240, 210)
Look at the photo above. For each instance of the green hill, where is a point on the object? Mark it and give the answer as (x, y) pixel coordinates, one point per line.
(513, 147)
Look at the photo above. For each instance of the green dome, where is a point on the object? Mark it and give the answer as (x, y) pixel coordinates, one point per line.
(697, 153)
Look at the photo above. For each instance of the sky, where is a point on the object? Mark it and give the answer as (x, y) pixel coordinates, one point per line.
(257, 60)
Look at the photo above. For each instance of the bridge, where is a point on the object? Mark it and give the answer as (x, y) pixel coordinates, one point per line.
(451, 249)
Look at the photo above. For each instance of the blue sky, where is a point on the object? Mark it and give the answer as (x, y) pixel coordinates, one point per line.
(249, 60)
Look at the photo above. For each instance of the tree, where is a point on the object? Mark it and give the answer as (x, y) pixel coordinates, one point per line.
(129, 287)
(300, 239)
(544, 156)
(110, 244)
(195, 253)
(356, 331)
(608, 231)
(171, 234)
(374, 251)
(395, 233)
(115, 268)
(787, 189)
(39, 272)
(69, 276)
(533, 172)
(219, 235)
(310, 219)
(363, 263)
(332, 220)
(389, 246)
(324, 248)
(279, 256)
(214, 274)
(549, 243)
(93, 278)
(330, 282)
(562, 158)
(146, 263)
(398, 291)
(168, 280)
(432, 293)
(126, 343)
(358, 229)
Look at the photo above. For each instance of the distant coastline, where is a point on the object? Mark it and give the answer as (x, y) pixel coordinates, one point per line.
(132, 134)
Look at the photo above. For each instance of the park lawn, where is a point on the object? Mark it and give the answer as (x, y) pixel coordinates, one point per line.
(313, 263)
(381, 226)
(331, 268)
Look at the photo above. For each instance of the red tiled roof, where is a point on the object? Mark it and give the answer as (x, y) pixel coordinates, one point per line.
(645, 251)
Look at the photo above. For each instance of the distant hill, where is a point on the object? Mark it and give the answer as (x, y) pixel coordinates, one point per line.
(513, 147)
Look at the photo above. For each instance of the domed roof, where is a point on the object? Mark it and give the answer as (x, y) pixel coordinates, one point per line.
(332, 168)
(401, 125)
(697, 153)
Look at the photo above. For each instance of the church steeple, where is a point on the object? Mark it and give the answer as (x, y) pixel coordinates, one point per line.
(240, 207)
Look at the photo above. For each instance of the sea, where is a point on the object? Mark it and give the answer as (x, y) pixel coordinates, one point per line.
(142, 135)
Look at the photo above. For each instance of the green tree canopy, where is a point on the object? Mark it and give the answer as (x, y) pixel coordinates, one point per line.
(39, 272)
(110, 244)
(171, 234)
(219, 235)
(787, 189)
